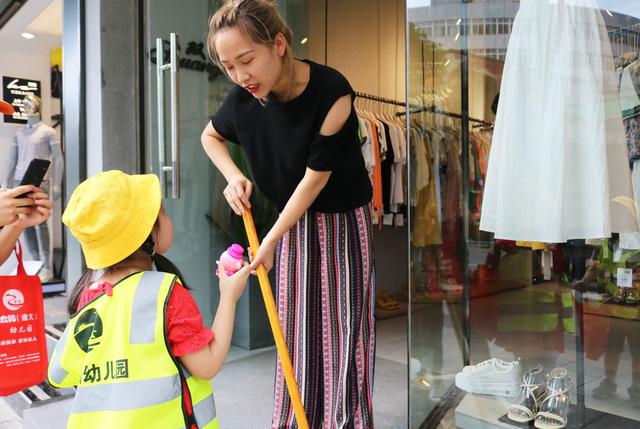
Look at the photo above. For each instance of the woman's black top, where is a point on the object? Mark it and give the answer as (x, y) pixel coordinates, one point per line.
(282, 139)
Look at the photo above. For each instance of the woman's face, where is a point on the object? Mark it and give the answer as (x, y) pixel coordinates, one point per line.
(255, 67)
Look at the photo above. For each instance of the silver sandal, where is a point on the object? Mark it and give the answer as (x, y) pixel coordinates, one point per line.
(554, 409)
(533, 388)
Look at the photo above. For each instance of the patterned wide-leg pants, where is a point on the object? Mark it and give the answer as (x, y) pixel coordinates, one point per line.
(325, 292)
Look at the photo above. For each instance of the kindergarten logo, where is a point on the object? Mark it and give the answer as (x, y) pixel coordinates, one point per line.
(13, 299)
(88, 330)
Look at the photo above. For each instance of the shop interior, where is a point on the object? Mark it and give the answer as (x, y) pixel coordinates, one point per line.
(558, 311)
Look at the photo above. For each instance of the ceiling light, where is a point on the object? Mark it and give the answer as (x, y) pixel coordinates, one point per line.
(28, 35)
(459, 21)
(303, 41)
(610, 14)
(457, 36)
(446, 63)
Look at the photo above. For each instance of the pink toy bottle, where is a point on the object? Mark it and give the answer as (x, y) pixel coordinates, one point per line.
(232, 259)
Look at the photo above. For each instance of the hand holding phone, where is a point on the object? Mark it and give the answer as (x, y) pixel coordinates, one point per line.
(11, 206)
(35, 173)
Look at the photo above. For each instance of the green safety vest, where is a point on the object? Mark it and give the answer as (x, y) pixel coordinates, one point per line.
(608, 279)
(115, 350)
(535, 311)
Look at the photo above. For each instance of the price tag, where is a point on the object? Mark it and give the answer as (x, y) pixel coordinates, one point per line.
(387, 219)
(399, 220)
(624, 277)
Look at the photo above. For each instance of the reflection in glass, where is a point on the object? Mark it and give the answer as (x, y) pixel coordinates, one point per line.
(525, 177)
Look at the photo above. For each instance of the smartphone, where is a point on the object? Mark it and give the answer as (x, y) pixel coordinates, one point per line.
(35, 173)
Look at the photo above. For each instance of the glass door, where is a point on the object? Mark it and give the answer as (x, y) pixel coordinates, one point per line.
(183, 88)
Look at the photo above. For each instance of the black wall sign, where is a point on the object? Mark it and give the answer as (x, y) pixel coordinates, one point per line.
(198, 62)
(14, 90)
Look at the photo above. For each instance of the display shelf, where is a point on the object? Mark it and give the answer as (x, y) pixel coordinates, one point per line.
(610, 309)
(489, 412)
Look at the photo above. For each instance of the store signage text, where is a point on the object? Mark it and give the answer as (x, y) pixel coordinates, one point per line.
(14, 90)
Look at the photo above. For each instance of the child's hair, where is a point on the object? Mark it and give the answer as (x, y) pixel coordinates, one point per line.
(162, 264)
(258, 19)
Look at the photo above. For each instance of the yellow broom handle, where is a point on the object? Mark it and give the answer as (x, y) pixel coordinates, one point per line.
(270, 304)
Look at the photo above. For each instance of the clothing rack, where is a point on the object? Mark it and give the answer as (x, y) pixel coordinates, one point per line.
(380, 99)
(416, 109)
(433, 109)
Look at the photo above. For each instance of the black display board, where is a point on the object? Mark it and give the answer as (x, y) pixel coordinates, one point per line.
(14, 90)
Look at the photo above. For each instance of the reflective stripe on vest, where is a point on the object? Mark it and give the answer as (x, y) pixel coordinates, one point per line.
(537, 311)
(126, 396)
(134, 382)
(57, 374)
(204, 407)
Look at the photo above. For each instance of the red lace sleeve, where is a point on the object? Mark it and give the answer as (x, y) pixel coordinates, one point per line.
(185, 329)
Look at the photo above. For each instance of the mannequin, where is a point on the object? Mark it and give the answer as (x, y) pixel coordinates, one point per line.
(36, 140)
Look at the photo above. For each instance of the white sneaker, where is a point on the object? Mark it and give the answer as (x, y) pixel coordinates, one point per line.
(491, 377)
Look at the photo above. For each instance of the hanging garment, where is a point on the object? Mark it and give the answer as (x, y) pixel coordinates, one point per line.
(422, 163)
(366, 147)
(630, 105)
(377, 174)
(631, 240)
(434, 140)
(386, 165)
(426, 229)
(397, 190)
(452, 213)
(558, 163)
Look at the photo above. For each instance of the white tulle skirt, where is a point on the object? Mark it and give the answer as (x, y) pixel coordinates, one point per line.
(558, 166)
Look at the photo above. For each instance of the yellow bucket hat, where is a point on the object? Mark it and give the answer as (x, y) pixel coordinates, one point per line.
(111, 214)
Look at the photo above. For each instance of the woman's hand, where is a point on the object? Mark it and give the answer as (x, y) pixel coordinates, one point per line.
(231, 287)
(264, 256)
(237, 193)
(39, 211)
(11, 206)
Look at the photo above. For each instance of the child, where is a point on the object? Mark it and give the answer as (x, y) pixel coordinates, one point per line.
(135, 345)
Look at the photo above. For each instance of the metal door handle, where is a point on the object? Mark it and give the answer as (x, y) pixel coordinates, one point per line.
(174, 99)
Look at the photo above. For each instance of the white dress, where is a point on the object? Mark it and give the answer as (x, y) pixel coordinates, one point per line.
(558, 166)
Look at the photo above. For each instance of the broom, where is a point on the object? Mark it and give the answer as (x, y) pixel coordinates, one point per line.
(269, 302)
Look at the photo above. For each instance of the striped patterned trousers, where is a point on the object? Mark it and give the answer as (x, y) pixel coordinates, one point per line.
(325, 292)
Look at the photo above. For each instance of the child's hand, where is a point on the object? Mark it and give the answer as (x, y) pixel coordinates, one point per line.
(231, 287)
(250, 254)
(264, 255)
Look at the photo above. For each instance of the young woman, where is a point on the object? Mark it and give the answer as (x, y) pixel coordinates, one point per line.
(296, 123)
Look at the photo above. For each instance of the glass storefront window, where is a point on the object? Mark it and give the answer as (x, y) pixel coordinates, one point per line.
(525, 182)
